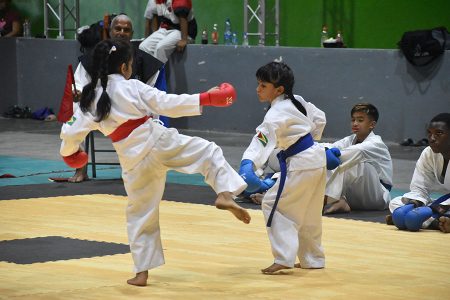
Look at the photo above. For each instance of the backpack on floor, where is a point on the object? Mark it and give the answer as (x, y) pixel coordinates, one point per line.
(421, 47)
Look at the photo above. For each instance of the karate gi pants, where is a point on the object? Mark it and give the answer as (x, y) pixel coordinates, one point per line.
(296, 229)
(161, 43)
(145, 187)
(360, 186)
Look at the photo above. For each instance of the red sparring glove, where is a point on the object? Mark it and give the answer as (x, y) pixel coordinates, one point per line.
(223, 96)
(77, 160)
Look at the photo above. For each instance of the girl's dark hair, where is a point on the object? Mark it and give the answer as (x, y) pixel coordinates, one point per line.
(108, 57)
(279, 74)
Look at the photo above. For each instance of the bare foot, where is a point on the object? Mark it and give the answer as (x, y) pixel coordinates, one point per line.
(444, 224)
(79, 176)
(298, 265)
(274, 268)
(225, 201)
(338, 207)
(140, 279)
(257, 198)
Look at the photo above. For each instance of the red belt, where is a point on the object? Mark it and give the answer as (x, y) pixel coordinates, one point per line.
(126, 128)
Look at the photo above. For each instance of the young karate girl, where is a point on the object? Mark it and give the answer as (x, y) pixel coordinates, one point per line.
(293, 212)
(119, 107)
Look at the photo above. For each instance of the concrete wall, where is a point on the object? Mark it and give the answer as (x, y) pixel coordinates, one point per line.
(34, 71)
(8, 76)
(333, 79)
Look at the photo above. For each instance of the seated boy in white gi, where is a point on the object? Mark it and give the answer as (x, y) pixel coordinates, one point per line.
(416, 209)
(364, 178)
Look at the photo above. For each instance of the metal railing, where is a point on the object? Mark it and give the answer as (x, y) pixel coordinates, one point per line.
(63, 14)
(259, 15)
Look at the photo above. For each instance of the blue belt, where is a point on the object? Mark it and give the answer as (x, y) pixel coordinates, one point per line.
(302, 144)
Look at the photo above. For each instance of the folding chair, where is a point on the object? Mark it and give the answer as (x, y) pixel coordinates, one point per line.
(90, 144)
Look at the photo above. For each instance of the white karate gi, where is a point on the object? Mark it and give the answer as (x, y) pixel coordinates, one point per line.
(162, 42)
(297, 223)
(147, 154)
(426, 179)
(81, 77)
(357, 179)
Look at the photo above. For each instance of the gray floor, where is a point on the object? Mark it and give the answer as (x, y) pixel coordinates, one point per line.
(39, 139)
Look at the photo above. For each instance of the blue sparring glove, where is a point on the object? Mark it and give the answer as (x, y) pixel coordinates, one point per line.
(398, 216)
(265, 185)
(415, 218)
(333, 160)
(255, 184)
(249, 176)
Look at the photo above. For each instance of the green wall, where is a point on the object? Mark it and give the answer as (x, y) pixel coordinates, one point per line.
(365, 23)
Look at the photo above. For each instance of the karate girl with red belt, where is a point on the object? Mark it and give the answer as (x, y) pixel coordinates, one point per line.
(119, 108)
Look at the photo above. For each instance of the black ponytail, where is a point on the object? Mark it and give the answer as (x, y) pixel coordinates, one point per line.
(108, 57)
(297, 103)
(279, 74)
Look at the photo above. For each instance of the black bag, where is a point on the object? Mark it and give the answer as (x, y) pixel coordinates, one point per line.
(421, 47)
(192, 29)
(89, 36)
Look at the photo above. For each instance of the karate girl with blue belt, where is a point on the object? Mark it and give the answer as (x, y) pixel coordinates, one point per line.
(292, 207)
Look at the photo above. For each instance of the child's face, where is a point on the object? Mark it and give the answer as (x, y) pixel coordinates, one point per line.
(362, 125)
(439, 137)
(267, 92)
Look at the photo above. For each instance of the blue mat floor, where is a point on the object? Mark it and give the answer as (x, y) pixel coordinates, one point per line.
(37, 171)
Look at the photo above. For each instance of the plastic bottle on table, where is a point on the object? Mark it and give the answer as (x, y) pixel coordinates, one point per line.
(204, 37)
(227, 34)
(324, 35)
(26, 28)
(234, 39)
(215, 35)
(339, 38)
(245, 39)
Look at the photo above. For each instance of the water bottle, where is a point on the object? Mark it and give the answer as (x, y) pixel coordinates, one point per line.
(339, 40)
(227, 35)
(204, 37)
(215, 35)
(26, 28)
(324, 36)
(245, 39)
(234, 39)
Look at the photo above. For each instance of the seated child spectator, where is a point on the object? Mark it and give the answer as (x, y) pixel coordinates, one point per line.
(432, 174)
(364, 178)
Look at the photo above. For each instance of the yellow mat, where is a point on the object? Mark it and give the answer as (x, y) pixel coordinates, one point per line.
(210, 255)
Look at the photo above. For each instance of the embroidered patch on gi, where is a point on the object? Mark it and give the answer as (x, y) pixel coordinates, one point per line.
(262, 138)
(72, 120)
